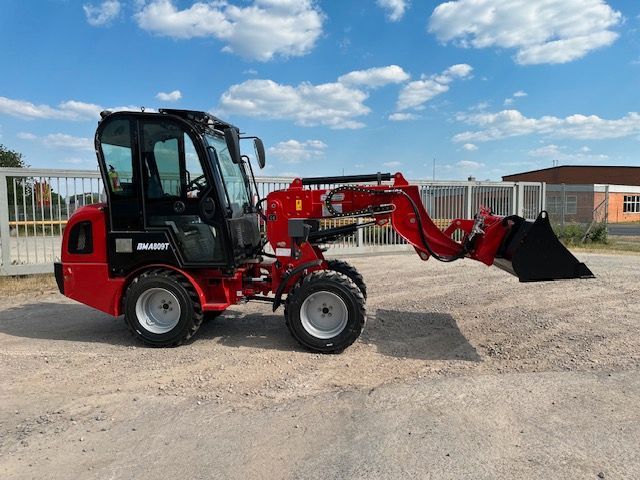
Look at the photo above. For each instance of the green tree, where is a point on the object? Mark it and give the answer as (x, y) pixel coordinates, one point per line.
(9, 158)
(12, 159)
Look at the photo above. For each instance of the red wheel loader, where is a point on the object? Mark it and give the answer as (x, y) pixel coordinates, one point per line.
(179, 236)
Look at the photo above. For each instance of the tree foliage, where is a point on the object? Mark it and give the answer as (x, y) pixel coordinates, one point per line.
(12, 159)
(9, 158)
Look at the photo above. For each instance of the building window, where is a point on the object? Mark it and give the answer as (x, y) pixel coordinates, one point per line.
(554, 205)
(631, 204)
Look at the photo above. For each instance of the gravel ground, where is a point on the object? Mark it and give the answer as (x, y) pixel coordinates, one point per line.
(461, 372)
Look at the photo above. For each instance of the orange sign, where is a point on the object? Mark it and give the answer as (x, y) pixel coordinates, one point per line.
(43, 193)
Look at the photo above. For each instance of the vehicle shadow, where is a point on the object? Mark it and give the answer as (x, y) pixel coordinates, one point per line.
(420, 335)
(426, 336)
(61, 321)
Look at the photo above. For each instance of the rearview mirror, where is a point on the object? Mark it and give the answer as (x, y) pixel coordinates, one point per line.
(258, 146)
(233, 144)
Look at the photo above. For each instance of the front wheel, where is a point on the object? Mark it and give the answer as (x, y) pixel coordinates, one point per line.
(326, 311)
(162, 309)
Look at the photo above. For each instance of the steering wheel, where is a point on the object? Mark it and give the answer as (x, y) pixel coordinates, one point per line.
(197, 184)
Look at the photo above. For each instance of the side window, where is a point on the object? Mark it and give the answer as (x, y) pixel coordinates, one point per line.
(167, 157)
(196, 181)
(116, 148)
(170, 162)
(80, 239)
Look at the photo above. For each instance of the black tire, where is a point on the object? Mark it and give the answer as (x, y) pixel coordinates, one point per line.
(350, 271)
(348, 298)
(190, 314)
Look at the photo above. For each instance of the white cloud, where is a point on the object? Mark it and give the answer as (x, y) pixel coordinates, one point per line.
(59, 141)
(403, 117)
(170, 96)
(416, 94)
(512, 123)
(479, 106)
(260, 31)
(375, 77)
(511, 100)
(545, 151)
(548, 31)
(62, 140)
(395, 8)
(469, 165)
(102, 14)
(469, 147)
(26, 136)
(69, 110)
(392, 164)
(293, 151)
(331, 104)
(556, 152)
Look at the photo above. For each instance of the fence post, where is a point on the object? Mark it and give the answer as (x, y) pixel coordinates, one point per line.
(543, 196)
(469, 201)
(360, 238)
(606, 205)
(564, 202)
(520, 189)
(5, 231)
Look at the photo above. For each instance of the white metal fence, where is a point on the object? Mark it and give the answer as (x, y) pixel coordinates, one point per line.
(35, 205)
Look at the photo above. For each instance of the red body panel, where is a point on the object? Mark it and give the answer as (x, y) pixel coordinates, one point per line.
(86, 276)
(88, 280)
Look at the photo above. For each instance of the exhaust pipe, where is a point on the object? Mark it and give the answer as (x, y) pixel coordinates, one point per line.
(532, 252)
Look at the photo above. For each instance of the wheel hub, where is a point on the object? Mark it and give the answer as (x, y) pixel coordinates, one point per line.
(158, 310)
(324, 315)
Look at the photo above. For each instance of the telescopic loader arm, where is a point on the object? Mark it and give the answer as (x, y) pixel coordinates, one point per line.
(528, 250)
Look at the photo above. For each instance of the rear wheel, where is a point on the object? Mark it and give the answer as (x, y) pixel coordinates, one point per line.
(162, 309)
(350, 271)
(326, 311)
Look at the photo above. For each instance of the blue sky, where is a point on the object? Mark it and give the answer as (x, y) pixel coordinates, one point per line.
(486, 87)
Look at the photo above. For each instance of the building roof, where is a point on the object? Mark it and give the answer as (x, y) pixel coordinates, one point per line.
(581, 174)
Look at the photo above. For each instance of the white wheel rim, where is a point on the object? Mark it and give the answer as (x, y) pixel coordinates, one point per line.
(158, 310)
(324, 315)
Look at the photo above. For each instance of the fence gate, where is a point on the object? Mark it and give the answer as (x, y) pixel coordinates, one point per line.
(35, 205)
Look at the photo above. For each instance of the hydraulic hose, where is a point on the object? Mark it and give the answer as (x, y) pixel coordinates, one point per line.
(371, 210)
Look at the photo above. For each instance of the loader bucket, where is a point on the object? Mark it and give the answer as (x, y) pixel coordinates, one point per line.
(532, 252)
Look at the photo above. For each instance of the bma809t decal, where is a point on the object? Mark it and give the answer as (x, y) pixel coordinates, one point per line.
(157, 246)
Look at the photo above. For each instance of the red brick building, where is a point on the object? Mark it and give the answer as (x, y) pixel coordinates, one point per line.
(576, 193)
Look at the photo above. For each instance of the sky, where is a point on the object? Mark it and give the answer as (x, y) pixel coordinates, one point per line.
(481, 88)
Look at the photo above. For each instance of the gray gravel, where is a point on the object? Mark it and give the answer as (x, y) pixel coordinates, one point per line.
(462, 372)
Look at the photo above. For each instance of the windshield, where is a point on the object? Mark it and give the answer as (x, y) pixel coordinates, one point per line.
(232, 174)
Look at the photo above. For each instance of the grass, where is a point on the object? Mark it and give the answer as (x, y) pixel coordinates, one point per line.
(615, 244)
(27, 284)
